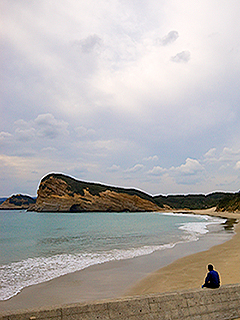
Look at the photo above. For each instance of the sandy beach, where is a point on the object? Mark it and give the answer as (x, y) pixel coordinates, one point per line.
(189, 272)
(182, 267)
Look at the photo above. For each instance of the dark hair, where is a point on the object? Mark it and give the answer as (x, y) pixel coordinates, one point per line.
(210, 267)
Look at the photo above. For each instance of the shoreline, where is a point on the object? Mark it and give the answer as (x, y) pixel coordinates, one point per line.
(189, 272)
(120, 278)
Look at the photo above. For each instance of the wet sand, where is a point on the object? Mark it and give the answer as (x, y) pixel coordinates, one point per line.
(189, 272)
(185, 269)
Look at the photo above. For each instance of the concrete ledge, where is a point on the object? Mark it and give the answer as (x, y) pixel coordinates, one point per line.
(199, 304)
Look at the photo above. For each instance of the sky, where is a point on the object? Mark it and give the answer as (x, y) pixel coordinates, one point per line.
(141, 94)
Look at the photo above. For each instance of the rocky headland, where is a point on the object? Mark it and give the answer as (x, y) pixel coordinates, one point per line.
(58, 192)
(17, 202)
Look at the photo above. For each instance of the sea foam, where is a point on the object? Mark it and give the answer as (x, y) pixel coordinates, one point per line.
(18, 275)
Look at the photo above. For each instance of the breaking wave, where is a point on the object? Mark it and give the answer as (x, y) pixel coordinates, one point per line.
(18, 275)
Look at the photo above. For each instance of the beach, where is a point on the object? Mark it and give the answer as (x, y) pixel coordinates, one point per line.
(189, 272)
(181, 267)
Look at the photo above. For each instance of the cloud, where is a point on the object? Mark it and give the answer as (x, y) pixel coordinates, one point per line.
(83, 132)
(227, 155)
(88, 44)
(191, 172)
(114, 168)
(25, 134)
(151, 158)
(237, 166)
(181, 57)
(210, 154)
(14, 171)
(49, 127)
(100, 87)
(230, 153)
(190, 167)
(156, 171)
(44, 126)
(136, 168)
(169, 38)
(5, 135)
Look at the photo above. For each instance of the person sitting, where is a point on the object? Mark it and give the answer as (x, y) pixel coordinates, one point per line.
(212, 279)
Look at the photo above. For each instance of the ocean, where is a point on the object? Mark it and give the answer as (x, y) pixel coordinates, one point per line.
(37, 247)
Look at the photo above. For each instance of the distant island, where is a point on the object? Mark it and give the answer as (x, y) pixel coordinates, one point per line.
(61, 193)
(17, 201)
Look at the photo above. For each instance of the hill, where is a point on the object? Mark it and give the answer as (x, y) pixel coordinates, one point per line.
(16, 202)
(58, 192)
(231, 203)
(190, 201)
(2, 200)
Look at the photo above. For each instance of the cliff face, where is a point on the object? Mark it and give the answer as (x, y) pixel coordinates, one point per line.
(17, 202)
(58, 192)
(62, 193)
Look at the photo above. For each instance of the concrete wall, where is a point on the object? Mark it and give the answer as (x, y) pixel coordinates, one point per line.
(204, 304)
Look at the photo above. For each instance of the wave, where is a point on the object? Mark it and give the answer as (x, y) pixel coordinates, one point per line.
(18, 275)
(200, 228)
(196, 229)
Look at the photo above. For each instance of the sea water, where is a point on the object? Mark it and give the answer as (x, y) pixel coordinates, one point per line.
(37, 247)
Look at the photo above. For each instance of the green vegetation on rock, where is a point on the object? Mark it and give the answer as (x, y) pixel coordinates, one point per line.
(17, 201)
(231, 202)
(70, 187)
(190, 201)
(78, 187)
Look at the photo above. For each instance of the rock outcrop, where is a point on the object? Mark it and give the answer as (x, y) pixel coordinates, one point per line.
(58, 192)
(17, 202)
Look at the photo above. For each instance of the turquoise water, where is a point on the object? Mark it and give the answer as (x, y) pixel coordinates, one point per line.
(37, 247)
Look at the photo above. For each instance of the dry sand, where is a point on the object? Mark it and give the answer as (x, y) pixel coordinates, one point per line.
(189, 272)
(136, 276)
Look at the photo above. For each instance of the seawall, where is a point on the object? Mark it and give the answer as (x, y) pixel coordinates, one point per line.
(204, 304)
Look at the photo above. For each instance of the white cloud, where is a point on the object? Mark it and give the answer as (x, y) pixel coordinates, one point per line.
(25, 134)
(230, 153)
(83, 132)
(190, 167)
(227, 156)
(136, 168)
(5, 135)
(156, 171)
(191, 172)
(237, 166)
(210, 154)
(151, 158)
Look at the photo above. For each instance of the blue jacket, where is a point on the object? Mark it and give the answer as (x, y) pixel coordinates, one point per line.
(212, 278)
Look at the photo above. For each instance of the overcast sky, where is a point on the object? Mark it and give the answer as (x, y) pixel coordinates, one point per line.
(133, 93)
